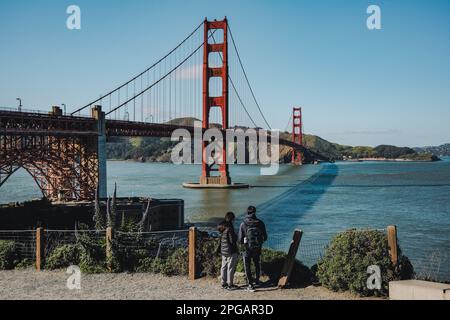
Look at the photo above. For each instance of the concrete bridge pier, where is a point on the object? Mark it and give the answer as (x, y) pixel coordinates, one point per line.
(99, 115)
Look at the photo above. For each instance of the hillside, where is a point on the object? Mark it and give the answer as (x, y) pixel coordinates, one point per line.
(159, 149)
(442, 150)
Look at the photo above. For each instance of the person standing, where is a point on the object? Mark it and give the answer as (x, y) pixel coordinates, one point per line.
(228, 250)
(252, 234)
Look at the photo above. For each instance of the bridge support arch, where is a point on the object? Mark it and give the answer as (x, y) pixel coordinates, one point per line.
(65, 156)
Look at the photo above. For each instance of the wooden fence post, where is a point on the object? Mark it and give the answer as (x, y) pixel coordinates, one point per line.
(392, 243)
(40, 245)
(192, 253)
(290, 259)
(109, 253)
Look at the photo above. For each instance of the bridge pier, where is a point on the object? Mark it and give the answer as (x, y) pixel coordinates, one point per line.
(99, 115)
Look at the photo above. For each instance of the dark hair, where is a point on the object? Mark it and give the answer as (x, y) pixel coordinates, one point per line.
(251, 210)
(229, 216)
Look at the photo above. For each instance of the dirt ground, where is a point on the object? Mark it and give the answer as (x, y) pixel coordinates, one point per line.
(49, 285)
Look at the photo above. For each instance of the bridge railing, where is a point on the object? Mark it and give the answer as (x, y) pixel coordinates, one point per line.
(41, 112)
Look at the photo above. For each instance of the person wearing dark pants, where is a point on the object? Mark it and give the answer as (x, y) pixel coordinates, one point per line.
(252, 235)
(228, 250)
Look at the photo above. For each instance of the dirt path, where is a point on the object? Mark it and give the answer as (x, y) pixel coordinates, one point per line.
(29, 284)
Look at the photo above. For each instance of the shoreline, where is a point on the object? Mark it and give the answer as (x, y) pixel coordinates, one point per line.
(387, 160)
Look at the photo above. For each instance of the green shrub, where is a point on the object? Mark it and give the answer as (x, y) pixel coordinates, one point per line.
(63, 256)
(208, 257)
(93, 259)
(177, 263)
(92, 253)
(24, 263)
(8, 255)
(344, 266)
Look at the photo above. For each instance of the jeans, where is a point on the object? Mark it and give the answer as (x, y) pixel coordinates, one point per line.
(228, 269)
(248, 257)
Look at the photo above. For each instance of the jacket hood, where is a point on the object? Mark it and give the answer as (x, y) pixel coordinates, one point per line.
(224, 225)
(251, 218)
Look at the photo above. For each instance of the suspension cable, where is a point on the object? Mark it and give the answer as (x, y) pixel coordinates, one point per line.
(246, 78)
(149, 68)
(160, 79)
(234, 88)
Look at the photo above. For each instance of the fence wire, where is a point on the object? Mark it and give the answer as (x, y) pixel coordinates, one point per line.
(24, 240)
(312, 246)
(57, 238)
(156, 244)
(430, 263)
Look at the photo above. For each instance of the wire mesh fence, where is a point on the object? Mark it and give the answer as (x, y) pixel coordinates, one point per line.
(24, 242)
(60, 248)
(434, 265)
(429, 263)
(54, 239)
(312, 246)
(156, 244)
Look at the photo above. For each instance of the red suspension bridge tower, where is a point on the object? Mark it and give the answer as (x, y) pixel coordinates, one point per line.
(210, 102)
(297, 134)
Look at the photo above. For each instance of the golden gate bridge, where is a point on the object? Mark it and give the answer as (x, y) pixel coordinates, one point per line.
(200, 78)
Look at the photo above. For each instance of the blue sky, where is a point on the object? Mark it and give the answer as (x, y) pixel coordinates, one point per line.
(356, 86)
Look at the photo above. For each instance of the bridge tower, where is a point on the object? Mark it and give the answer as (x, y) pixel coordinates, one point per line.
(297, 134)
(210, 102)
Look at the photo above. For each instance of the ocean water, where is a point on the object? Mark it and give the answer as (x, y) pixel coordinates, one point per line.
(321, 200)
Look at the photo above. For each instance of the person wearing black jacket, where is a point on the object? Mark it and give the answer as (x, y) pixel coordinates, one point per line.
(228, 250)
(252, 234)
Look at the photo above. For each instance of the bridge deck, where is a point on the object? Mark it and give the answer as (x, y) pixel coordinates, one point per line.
(37, 124)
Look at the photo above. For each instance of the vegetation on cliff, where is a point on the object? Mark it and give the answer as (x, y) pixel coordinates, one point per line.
(159, 149)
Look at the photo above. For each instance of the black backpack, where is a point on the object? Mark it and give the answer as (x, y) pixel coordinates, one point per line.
(254, 237)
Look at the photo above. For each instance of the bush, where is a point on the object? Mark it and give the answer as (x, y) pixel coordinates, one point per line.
(344, 266)
(88, 252)
(177, 263)
(8, 255)
(92, 254)
(208, 258)
(63, 256)
(24, 263)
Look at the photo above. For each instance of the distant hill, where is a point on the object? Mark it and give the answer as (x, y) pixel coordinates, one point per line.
(340, 152)
(159, 149)
(442, 150)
